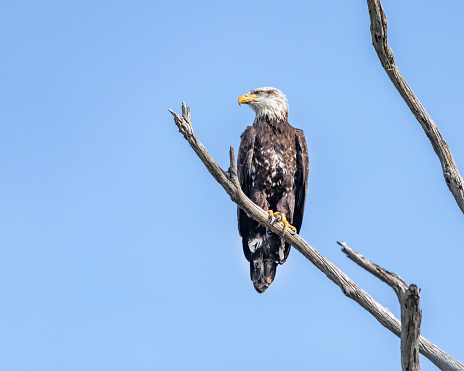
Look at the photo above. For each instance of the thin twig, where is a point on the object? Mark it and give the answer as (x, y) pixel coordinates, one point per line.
(348, 287)
(379, 41)
(391, 279)
(233, 166)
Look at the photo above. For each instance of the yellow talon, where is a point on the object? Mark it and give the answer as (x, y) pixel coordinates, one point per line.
(286, 225)
(277, 216)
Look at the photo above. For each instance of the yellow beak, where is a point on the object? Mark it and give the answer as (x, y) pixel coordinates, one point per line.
(247, 98)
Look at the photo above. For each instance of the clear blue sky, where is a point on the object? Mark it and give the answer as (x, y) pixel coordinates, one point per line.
(118, 250)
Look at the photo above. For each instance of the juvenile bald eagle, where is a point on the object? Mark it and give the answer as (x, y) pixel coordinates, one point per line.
(273, 172)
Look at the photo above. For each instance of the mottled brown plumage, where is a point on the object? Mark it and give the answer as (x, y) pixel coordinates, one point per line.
(273, 171)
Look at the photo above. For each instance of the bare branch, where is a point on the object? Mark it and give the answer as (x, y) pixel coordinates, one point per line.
(391, 279)
(348, 287)
(379, 41)
(233, 167)
(411, 317)
(409, 297)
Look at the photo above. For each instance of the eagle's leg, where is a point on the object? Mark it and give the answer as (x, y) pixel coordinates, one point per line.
(278, 216)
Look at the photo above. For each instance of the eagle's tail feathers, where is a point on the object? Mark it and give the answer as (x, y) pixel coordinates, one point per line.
(262, 274)
(262, 270)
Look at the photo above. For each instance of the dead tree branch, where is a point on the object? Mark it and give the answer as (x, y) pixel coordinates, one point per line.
(411, 317)
(228, 180)
(411, 314)
(379, 41)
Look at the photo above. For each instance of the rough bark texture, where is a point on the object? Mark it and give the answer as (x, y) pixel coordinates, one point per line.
(229, 182)
(379, 41)
(411, 317)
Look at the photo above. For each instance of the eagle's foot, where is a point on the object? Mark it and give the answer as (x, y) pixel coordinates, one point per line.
(279, 217)
(273, 215)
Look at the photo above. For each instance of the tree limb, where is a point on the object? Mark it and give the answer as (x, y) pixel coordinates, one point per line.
(229, 182)
(411, 317)
(411, 314)
(379, 41)
(391, 279)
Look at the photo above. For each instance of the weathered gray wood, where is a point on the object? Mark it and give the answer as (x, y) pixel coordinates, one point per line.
(391, 279)
(229, 182)
(411, 317)
(379, 41)
(409, 297)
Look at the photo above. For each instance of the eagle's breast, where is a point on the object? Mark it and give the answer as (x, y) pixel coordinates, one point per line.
(274, 163)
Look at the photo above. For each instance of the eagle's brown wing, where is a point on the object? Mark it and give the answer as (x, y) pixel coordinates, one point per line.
(301, 177)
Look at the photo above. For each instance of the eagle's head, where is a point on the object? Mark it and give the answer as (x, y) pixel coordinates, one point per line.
(270, 102)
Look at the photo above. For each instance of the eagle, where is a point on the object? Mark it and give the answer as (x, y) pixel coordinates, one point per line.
(272, 169)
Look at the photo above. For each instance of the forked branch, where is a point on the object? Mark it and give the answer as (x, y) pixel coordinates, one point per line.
(379, 41)
(411, 315)
(228, 180)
